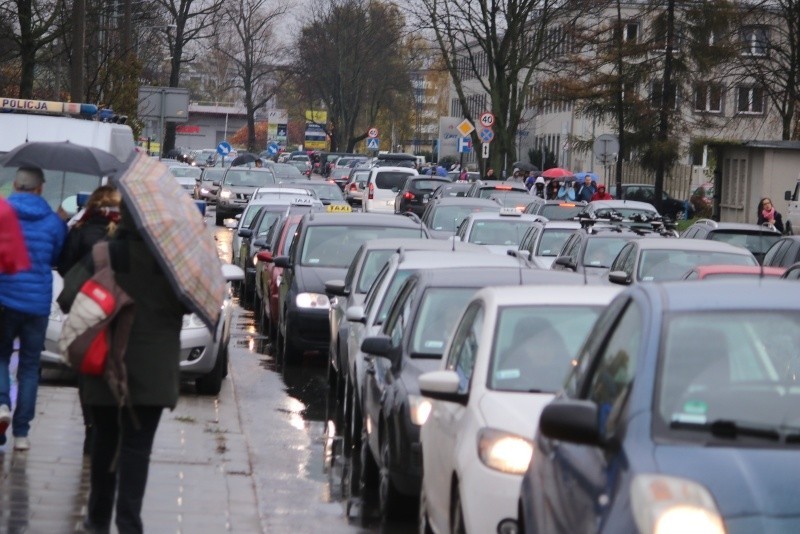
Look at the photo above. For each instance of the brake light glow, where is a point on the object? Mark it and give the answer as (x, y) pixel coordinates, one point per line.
(354, 187)
(408, 195)
(371, 194)
(503, 187)
(565, 205)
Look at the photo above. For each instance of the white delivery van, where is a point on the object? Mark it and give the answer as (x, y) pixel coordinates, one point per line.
(38, 120)
(383, 186)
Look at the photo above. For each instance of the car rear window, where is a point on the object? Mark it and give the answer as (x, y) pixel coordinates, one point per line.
(390, 180)
(486, 192)
(664, 265)
(552, 241)
(447, 218)
(336, 246)
(180, 172)
(560, 212)
(755, 242)
(426, 185)
(501, 232)
(601, 251)
(439, 310)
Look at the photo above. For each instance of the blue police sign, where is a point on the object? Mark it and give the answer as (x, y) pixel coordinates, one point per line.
(373, 143)
(272, 148)
(224, 148)
(464, 145)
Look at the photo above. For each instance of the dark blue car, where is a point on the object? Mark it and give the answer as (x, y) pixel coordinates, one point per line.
(682, 414)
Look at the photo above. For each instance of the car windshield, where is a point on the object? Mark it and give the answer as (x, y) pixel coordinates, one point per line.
(486, 192)
(601, 251)
(560, 212)
(336, 245)
(499, 232)
(373, 264)
(447, 218)
(181, 172)
(720, 370)
(552, 240)
(454, 190)
(512, 198)
(325, 191)
(249, 178)
(213, 175)
(661, 265)
(438, 313)
(534, 345)
(755, 242)
(285, 172)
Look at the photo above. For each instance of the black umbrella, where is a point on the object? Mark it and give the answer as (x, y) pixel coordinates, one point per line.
(523, 166)
(62, 156)
(243, 159)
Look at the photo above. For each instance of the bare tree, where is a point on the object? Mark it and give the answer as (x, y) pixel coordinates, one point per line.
(353, 58)
(256, 57)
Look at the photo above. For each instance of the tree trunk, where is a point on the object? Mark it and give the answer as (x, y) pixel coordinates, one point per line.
(174, 81)
(78, 45)
(27, 45)
(667, 107)
(620, 104)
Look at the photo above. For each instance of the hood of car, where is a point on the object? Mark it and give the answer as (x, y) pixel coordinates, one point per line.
(517, 413)
(312, 279)
(501, 250)
(744, 481)
(240, 188)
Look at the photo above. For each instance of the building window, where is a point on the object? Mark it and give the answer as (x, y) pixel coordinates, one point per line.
(455, 108)
(754, 41)
(630, 32)
(657, 94)
(708, 98)
(750, 99)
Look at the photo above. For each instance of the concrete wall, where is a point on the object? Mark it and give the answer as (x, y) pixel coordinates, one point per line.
(211, 130)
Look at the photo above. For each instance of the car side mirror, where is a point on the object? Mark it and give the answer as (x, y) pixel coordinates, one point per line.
(232, 272)
(336, 288)
(260, 243)
(265, 256)
(619, 277)
(442, 385)
(787, 196)
(574, 421)
(355, 314)
(245, 232)
(566, 261)
(377, 345)
(284, 262)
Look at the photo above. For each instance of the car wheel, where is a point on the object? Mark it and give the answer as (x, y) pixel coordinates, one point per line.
(220, 218)
(347, 418)
(225, 365)
(290, 354)
(211, 383)
(423, 524)
(367, 478)
(392, 503)
(456, 513)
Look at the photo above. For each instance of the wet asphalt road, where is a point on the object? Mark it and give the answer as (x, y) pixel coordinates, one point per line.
(284, 413)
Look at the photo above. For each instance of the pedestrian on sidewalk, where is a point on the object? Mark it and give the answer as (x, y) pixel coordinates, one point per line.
(123, 436)
(25, 299)
(97, 223)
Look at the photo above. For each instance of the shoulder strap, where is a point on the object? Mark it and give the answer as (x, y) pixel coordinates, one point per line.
(100, 255)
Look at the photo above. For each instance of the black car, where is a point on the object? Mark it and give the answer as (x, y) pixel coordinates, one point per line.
(592, 249)
(455, 189)
(555, 210)
(396, 160)
(411, 342)
(443, 215)
(671, 207)
(416, 193)
(755, 238)
(783, 253)
(322, 250)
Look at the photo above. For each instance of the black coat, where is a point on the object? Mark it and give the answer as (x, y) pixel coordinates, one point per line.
(80, 241)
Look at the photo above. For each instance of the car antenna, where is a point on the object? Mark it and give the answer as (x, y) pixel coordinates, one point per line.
(519, 259)
(455, 233)
(760, 237)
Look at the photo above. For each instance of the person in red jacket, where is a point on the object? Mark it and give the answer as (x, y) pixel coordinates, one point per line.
(601, 194)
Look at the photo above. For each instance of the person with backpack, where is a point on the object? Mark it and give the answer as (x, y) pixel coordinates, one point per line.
(25, 301)
(123, 435)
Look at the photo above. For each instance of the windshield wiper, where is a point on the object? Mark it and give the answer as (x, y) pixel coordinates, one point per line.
(724, 428)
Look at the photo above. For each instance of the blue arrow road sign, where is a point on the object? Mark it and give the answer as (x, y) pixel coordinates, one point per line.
(464, 145)
(486, 135)
(373, 143)
(272, 148)
(224, 148)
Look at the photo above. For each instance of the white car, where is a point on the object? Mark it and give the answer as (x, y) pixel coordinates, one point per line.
(383, 185)
(187, 176)
(498, 232)
(543, 241)
(204, 358)
(505, 361)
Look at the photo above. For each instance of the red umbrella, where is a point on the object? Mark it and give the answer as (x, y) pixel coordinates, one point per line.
(557, 172)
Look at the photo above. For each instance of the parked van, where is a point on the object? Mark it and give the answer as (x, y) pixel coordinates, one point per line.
(48, 124)
(383, 186)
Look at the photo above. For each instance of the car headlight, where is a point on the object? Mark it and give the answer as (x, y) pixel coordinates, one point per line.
(313, 300)
(667, 505)
(225, 193)
(192, 321)
(503, 451)
(255, 261)
(278, 280)
(56, 314)
(204, 191)
(419, 408)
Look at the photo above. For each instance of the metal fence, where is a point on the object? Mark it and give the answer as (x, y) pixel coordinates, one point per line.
(678, 183)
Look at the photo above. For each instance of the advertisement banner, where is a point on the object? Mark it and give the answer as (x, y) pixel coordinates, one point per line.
(449, 136)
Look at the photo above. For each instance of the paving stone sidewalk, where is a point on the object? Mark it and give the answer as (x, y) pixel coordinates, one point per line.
(200, 476)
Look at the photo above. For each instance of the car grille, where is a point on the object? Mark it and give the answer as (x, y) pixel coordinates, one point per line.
(243, 196)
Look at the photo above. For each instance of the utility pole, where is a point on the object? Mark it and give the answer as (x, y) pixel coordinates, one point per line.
(667, 107)
(78, 45)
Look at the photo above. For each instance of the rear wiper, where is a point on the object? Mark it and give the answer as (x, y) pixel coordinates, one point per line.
(724, 428)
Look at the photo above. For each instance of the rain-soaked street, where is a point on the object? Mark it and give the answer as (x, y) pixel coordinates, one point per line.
(286, 414)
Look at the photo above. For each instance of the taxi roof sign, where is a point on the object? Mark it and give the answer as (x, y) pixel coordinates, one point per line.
(510, 212)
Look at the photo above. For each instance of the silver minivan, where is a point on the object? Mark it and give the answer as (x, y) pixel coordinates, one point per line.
(383, 186)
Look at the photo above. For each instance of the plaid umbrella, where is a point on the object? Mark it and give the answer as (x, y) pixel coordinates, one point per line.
(176, 233)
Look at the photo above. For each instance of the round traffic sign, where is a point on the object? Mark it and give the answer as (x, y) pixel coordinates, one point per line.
(224, 148)
(372, 133)
(487, 119)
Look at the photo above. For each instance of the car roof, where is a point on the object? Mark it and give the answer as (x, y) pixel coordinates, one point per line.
(503, 186)
(735, 226)
(654, 243)
(359, 219)
(495, 215)
(412, 243)
(562, 225)
(461, 257)
(480, 277)
(634, 204)
(704, 270)
(426, 177)
(466, 201)
(724, 294)
(390, 168)
(549, 295)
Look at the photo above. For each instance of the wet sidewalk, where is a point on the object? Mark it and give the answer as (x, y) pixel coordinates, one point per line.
(200, 476)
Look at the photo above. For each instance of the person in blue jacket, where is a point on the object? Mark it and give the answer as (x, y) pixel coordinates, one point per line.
(25, 299)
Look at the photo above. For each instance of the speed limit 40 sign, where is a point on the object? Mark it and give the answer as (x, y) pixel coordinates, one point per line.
(487, 119)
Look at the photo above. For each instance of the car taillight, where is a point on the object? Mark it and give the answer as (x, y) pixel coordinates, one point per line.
(371, 195)
(408, 195)
(353, 187)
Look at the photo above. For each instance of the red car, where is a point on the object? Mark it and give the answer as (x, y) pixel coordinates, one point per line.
(268, 276)
(701, 272)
